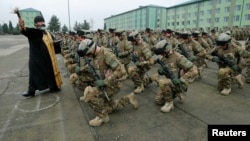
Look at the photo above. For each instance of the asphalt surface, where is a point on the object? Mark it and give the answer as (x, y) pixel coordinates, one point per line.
(62, 117)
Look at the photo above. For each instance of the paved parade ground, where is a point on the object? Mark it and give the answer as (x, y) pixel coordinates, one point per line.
(62, 117)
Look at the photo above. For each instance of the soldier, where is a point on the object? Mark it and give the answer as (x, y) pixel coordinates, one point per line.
(150, 38)
(124, 48)
(102, 39)
(196, 36)
(195, 51)
(113, 41)
(213, 35)
(107, 84)
(233, 40)
(177, 70)
(247, 61)
(227, 56)
(170, 39)
(142, 58)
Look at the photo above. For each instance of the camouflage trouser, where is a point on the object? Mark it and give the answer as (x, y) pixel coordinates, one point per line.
(225, 78)
(98, 102)
(192, 73)
(167, 92)
(136, 75)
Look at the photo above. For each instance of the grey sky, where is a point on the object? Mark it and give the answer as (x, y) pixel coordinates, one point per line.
(80, 10)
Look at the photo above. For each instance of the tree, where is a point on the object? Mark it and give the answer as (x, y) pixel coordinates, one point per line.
(54, 24)
(65, 28)
(10, 27)
(85, 25)
(77, 26)
(5, 28)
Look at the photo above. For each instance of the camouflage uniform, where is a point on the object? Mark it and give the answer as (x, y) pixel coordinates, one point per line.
(124, 48)
(195, 50)
(182, 69)
(111, 71)
(229, 73)
(142, 58)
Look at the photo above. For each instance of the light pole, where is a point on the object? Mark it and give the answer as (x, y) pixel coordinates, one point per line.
(69, 16)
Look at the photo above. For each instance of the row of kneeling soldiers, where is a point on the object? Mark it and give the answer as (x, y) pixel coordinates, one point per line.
(98, 68)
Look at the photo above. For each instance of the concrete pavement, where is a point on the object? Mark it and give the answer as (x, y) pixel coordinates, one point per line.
(62, 117)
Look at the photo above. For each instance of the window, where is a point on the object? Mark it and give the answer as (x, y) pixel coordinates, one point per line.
(183, 15)
(177, 16)
(236, 18)
(237, 7)
(188, 22)
(227, 9)
(228, 0)
(248, 6)
(183, 22)
(217, 20)
(218, 1)
(247, 17)
(195, 14)
(194, 22)
(177, 23)
(172, 23)
(201, 12)
(226, 19)
(209, 12)
(209, 20)
(217, 10)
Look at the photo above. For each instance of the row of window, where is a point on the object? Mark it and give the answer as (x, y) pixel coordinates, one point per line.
(209, 20)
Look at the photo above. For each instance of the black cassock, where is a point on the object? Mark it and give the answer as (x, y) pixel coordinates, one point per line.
(41, 74)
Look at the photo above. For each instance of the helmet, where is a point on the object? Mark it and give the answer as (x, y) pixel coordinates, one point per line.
(228, 33)
(223, 39)
(184, 35)
(86, 47)
(134, 36)
(196, 33)
(162, 47)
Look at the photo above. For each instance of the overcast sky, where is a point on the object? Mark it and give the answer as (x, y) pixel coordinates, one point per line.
(80, 10)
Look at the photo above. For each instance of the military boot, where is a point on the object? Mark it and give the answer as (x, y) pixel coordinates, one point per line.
(226, 91)
(167, 107)
(239, 80)
(132, 100)
(139, 89)
(97, 121)
(155, 79)
(181, 97)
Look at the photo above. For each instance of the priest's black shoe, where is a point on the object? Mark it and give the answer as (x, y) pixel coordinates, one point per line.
(28, 94)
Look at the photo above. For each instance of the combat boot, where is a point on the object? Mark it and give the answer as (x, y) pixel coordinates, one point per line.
(181, 97)
(97, 121)
(240, 81)
(167, 107)
(139, 89)
(155, 79)
(132, 100)
(226, 91)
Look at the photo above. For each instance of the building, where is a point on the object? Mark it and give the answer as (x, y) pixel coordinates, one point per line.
(151, 16)
(194, 14)
(28, 16)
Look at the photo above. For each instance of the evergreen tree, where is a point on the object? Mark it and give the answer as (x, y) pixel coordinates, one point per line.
(65, 28)
(10, 27)
(85, 25)
(77, 26)
(54, 24)
(5, 28)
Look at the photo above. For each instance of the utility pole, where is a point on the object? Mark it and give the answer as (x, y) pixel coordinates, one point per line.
(69, 16)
